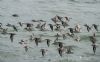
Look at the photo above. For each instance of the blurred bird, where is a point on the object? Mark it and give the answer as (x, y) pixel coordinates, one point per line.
(51, 26)
(95, 26)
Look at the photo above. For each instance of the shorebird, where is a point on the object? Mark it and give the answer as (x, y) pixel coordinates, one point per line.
(43, 51)
(12, 36)
(51, 26)
(48, 42)
(95, 26)
(88, 27)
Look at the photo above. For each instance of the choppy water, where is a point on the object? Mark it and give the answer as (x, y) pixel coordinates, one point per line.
(80, 11)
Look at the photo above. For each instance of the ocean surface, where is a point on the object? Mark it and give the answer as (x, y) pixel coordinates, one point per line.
(79, 11)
